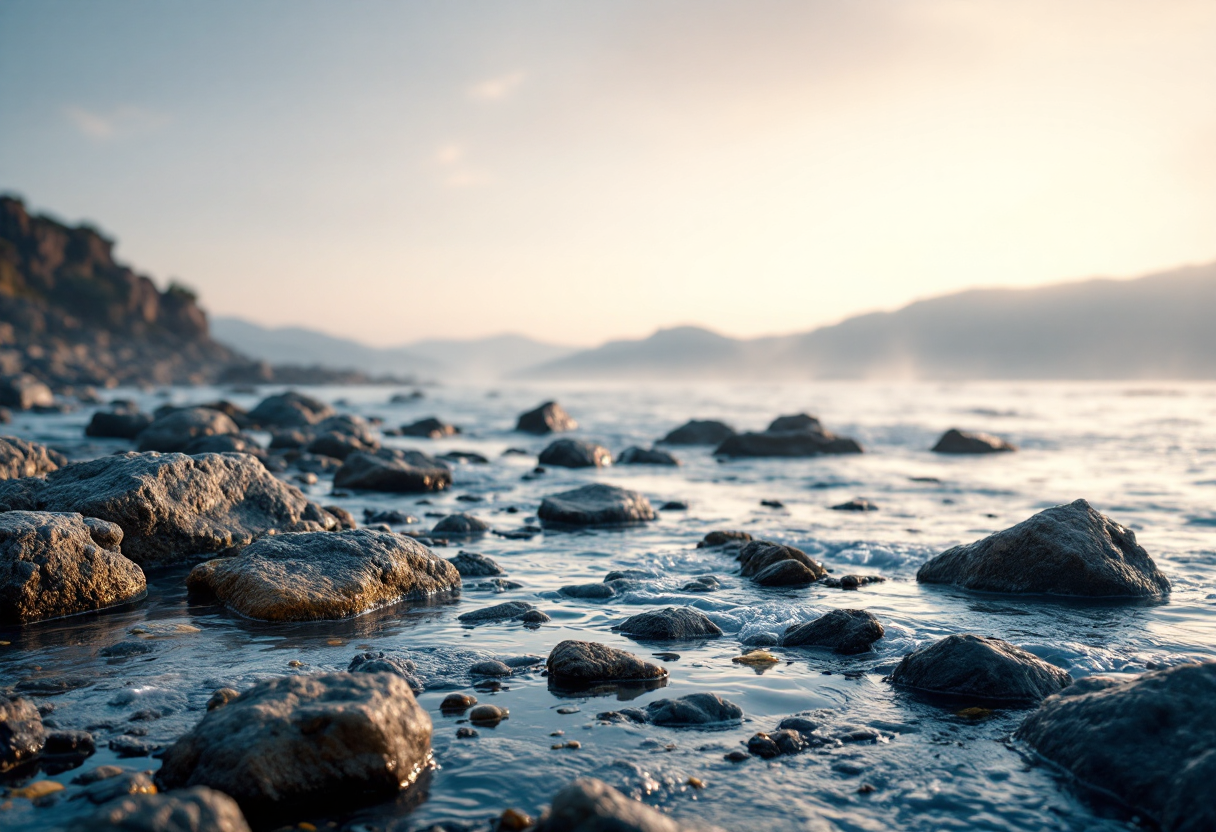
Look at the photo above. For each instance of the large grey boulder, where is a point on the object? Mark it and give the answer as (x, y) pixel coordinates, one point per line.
(587, 661)
(788, 436)
(1149, 741)
(118, 423)
(596, 505)
(22, 392)
(590, 805)
(394, 471)
(980, 668)
(693, 709)
(177, 429)
(670, 624)
(290, 410)
(845, 631)
(52, 565)
(955, 441)
(304, 743)
(196, 809)
(548, 418)
(22, 736)
(172, 507)
(22, 458)
(575, 453)
(699, 432)
(323, 575)
(1065, 550)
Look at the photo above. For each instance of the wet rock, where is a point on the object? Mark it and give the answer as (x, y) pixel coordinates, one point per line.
(460, 524)
(956, 441)
(177, 429)
(69, 744)
(311, 576)
(856, 504)
(534, 618)
(699, 432)
(670, 623)
(548, 418)
(694, 709)
(801, 724)
(197, 809)
(457, 702)
(465, 458)
(172, 507)
(724, 538)
(379, 661)
(22, 392)
(21, 458)
(52, 565)
(589, 805)
(771, 564)
(124, 649)
(575, 453)
(464, 732)
(118, 423)
(335, 738)
(391, 516)
(797, 422)
(345, 519)
(587, 661)
(624, 715)
(21, 733)
(645, 456)
(431, 428)
(788, 436)
(221, 697)
(590, 592)
(845, 631)
(491, 667)
(488, 715)
(772, 503)
(129, 746)
(1065, 550)
(1149, 741)
(508, 611)
(979, 668)
(474, 565)
(394, 471)
(290, 410)
(339, 445)
(596, 505)
(674, 505)
(777, 743)
(118, 783)
(852, 581)
(703, 583)
(227, 443)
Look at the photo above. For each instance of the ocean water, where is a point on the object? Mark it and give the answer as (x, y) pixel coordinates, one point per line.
(1145, 454)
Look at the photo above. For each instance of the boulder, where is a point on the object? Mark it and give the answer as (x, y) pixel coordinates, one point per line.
(589, 805)
(575, 453)
(474, 565)
(21, 458)
(290, 410)
(845, 631)
(1069, 550)
(1148, 741)
(21, 733)
(296, 744)
(394, 471)
(699, 432)
(956, 441)
(980, 668)
(430, 428)
(645, 456)
(694, 709)
(596, 505)
(119, 423)
(460, 525)
(171, 507)
(803, 422)
(548, 418)
(197, 809)
(22, 392)
(587, 661)
(670, 624)
(52, 565)
(311, 576)
(176, 430)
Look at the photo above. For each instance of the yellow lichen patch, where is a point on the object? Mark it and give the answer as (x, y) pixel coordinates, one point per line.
(36, 790)
(756, 658)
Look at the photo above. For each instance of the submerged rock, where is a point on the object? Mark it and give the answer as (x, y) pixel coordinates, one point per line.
(771, 564)
(596, 505)
(395, 471)
(699, 432)
(171, 507)
(474, 565)
(52, 565)
(590, 805)
(856, 504)
(197, 809)
(313, 575)
(430, 428)
(694, 709)
(956, 441)
(21, 458)
(844, 631)
(575, 453)
(296, 744)
(587, 661)
(548, 418)
(507, 611)
(645, 456)
(290, 410)
(460, 524)
(788, 436)
(786, 573)
(177, 429)
(1149, 741)
(1066, 550)
(980, 668)
(118, 423)
(379, 661)
(670, 623)
(22, 736)
(724, 538)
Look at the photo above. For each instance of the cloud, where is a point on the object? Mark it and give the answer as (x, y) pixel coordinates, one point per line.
(114, 123)
(496, 89)
(454, 172)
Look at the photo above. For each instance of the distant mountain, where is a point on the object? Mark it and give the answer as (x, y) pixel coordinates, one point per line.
(1160, 326)
(486, 358)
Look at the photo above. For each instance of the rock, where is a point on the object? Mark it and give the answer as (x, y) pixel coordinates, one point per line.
(548, 418)
(534, 618)
(758, 555)
(381, 662)
(956, 441)
(674, 505)
(227, 443)
(464, 732)
(198, 809)
(694, 709)
(21, 733)
(699, 432)
(499, 612)
(172, 507)
(724, 538)
(844, 631)
(345, 519)
(590, 592)
(1066, 550)
(788, 436)
(79, 744)
(492, 667)
(856, 504)
(670, 623)
(596, 505)
(590, 805)
(575, 453)
(221, 697)
(129, 746)
(123, 649)
(52, 565)
(798, 422)
(457, 702)
(430, 428)
(119, 423)
(786, 573)
(23, 392)
(702, 583)
(175, 430)
(488, 715)
(339, 445)
(335, 739)
(587, 661)
(290, 410)
(21, 458)
(312, 576)
(465, 458)
(474, 565)
(776, 744)
(460, 524)
(852, 581)
(979, 668)
(1148, 741)
(396, 472)
(645, 456)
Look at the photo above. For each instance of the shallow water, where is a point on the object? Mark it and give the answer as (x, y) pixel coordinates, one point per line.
(1144, 454)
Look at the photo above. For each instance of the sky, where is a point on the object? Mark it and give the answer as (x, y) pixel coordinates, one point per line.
(593, 170)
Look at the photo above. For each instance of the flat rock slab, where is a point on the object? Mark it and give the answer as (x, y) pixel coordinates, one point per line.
(847, 632)
(323, 575)
(1070, 550)
(596, 505)
(172, 507)
(980, 668)
(52, 565)
(575, 453)
(670, 623)
(587, 661)
(956, 441)
(590, 805)
(1149, 741)
(21, 458)
(299, 743)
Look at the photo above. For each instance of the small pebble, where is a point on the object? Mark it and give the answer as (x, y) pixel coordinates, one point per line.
(513, 820)
(696, 782)
(466, 733)
(568, 709)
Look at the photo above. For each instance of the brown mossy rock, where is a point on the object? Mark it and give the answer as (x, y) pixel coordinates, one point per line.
(312, 576)
(590, 805)
(298, 744)
(172, 507)
(980, 668)
(587, 661)
(52, 565)
(596, 505)
(197, 809)
(548, 418)
(393, 471)
(955, 441)
(177, 429)
(22, 458)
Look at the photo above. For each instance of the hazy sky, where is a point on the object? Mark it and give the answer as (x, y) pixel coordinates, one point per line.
(584, 170)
